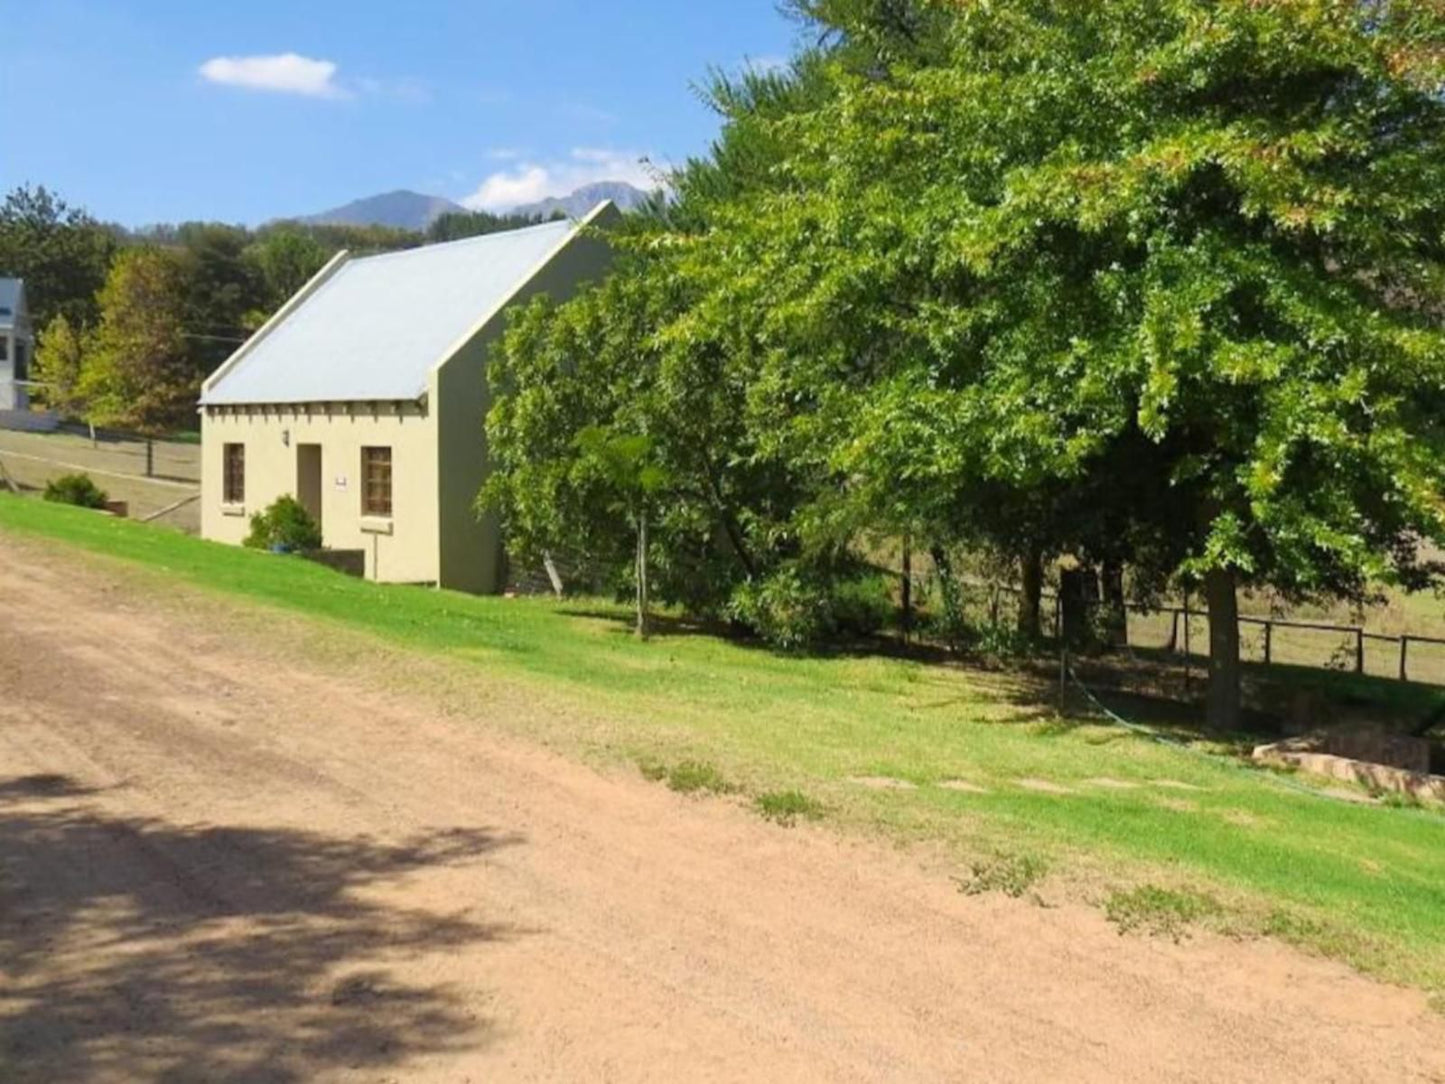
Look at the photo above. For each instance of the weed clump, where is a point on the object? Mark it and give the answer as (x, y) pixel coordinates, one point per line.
(786, 806)
(1013, 875)
(687, 777)
(1163, 912)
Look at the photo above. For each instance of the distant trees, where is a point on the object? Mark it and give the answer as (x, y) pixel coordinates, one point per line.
(457, 226)
(285, 259)
(1148, 282)
(141, 371)
(60, 364)
(61, 252)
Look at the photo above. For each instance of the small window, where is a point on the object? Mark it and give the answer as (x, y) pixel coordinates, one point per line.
(234, 471)
(376, 481)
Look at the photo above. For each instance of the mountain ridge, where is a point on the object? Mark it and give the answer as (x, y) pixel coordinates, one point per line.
(407, 210)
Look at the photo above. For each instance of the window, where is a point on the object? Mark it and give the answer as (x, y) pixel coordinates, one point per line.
(234, 474)
(4, 348)
(376, 481)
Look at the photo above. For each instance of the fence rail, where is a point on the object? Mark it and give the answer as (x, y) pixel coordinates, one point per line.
(1357, 633)
(1402, 648)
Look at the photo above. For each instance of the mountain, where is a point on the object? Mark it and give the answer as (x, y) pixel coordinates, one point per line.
(414, 211)
(627, 197)
(400, 209)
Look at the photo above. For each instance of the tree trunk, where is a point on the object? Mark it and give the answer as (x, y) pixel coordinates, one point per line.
(906, 617)
(1031, 573)
(552, 574)
(1223, 700)
(1112, 577)
(642, 576)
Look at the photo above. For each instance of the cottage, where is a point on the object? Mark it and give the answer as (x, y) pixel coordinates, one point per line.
(17, 346)
(364, 397)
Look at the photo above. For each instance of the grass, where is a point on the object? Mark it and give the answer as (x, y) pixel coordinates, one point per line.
(1363, 883)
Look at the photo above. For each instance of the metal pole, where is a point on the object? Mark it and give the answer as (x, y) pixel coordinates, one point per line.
(1404, 655)
(1359, 651)
(1268, 642)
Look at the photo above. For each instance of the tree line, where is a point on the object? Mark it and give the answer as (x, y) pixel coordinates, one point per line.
(131, 322)
(1153, 284)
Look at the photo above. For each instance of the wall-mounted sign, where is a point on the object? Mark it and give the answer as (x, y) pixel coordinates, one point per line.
(341, 481)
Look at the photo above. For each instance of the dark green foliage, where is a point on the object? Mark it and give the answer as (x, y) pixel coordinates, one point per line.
(455, 226)
(793, 609)
(60, 251)
(284, 525)
(77, 489)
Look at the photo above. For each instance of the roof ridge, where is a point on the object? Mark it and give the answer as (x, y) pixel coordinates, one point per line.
(481, 237)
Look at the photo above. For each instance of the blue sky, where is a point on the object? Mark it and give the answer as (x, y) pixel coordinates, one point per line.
(164, 110)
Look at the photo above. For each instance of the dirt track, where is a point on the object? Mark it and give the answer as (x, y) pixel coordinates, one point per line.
(215, 866)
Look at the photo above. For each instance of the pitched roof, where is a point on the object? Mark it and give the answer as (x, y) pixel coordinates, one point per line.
(12, 300)
(376, 326)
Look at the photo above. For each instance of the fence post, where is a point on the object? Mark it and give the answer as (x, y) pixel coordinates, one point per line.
(1188, 654)
(1268, 642)
(1063, 672)
(1359, 651)
(1404, 655)
(1174, 632)
(150, 458)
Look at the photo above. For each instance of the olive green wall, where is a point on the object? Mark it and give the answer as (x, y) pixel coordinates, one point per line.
(471, 546)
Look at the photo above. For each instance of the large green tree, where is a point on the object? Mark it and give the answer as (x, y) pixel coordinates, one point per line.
(1210, 232)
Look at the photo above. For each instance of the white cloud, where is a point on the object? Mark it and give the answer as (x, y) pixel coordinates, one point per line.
(530, 181)
(285, 73)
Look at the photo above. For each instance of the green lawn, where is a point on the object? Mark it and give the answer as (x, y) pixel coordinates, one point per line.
(1363, 883)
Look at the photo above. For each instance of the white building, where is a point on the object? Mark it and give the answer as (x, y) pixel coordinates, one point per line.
(17, 346)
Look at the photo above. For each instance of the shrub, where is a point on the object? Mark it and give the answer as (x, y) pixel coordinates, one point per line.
(785, 610)
(286, 525)
(794, 610)
(863, 604)
(77, 489)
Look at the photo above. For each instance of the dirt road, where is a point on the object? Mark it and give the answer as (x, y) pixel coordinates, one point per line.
(217, 865)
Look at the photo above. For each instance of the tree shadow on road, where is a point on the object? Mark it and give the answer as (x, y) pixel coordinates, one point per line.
(135, 949)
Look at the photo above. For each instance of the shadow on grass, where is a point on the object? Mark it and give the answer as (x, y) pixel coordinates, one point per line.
(136, 949)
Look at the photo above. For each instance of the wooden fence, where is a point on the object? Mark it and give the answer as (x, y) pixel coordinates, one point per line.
(1356, 638)
(1357, 635)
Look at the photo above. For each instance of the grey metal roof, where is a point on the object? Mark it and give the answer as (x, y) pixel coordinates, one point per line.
(12, 299)
(374, 329)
